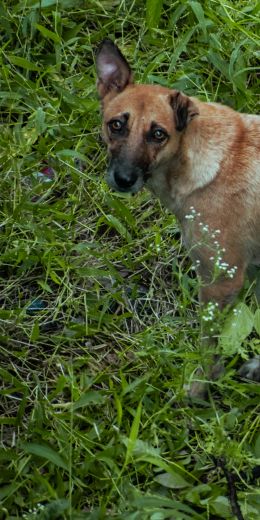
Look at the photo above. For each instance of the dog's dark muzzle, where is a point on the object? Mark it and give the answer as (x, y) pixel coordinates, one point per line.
(125, 177)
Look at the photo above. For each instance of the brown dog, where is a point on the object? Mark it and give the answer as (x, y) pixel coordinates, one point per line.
(201, 159)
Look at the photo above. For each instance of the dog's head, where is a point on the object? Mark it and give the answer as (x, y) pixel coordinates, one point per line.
(142, 124)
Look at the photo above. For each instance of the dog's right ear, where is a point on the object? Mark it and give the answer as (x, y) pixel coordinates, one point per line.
(113, 71)
(184, 109)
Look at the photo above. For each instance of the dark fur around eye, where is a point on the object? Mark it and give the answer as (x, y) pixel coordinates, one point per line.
(159, 135)
(117, 125)
(156, 134)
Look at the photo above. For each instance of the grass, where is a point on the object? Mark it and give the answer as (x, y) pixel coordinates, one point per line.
(99, 321)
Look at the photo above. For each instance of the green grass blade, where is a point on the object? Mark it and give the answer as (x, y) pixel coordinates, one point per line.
(47, 453)
(133, 433)
(153, 13)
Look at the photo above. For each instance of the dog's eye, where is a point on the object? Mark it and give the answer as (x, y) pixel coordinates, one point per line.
(159, 135)
(116, 125)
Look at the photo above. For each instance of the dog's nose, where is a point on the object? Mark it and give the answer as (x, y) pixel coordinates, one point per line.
(124, 179)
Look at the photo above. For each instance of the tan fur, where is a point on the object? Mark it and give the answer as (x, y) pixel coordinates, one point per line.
(211, 165)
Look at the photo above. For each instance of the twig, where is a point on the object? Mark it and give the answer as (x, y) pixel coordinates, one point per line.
(231, 487)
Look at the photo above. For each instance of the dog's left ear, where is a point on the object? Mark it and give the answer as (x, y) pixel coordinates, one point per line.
(113, 71)
(184, 109)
